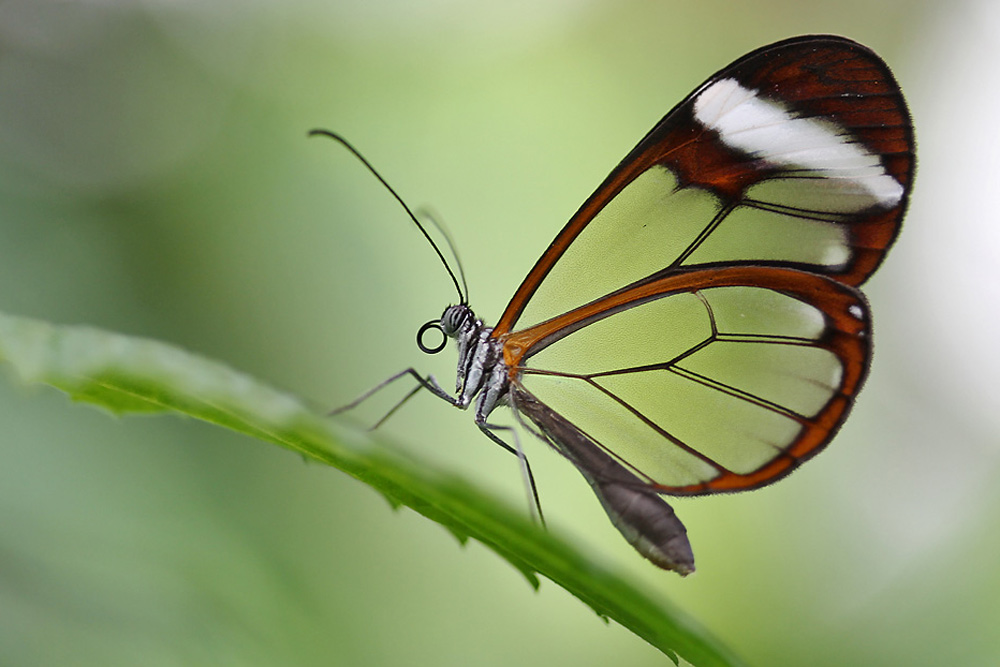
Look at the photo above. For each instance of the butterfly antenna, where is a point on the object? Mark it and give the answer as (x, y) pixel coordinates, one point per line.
(343, 142)
(435, 219)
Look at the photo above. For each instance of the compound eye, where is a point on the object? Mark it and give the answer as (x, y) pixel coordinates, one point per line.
(453, 319)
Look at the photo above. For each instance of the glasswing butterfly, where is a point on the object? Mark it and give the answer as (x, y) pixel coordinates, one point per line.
(696, 327)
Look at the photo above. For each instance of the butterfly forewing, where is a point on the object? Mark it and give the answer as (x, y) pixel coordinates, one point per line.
(797, 155)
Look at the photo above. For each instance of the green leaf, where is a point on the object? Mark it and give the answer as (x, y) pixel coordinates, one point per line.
(124, 374)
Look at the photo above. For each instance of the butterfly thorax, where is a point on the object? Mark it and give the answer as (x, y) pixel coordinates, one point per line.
(481, 369)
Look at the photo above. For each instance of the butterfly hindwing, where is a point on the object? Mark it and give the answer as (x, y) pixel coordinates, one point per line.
(711, 380)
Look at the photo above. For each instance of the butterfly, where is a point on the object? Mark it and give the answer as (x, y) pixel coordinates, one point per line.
(696, 327)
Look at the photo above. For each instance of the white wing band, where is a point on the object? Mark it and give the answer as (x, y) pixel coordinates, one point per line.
(769, 131)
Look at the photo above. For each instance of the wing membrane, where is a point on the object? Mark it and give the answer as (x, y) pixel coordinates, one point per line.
(798, 155)
(705, 380)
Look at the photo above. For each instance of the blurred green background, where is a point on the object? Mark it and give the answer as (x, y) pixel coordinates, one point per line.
(155, 179)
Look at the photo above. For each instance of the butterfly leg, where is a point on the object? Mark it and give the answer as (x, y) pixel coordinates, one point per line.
(529, 479)
(428, 383)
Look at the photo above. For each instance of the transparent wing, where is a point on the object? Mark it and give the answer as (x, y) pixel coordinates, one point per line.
(799, 155)
(706, 380)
